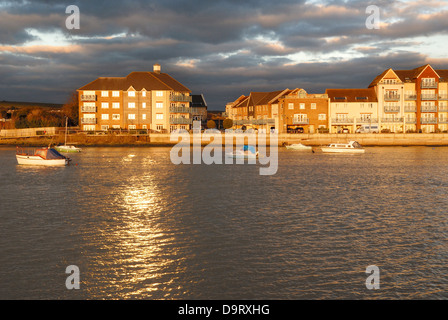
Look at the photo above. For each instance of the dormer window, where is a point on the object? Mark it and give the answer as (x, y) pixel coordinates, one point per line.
(131, 93)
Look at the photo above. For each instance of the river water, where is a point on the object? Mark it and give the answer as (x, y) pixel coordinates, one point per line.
(139, 227)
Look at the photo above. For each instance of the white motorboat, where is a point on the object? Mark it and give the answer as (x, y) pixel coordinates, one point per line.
(247, 152)
(299, 146)
(41, 157)
(351, 147)
(67, 149)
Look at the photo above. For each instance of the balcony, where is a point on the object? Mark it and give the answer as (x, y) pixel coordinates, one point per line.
(363, 120)
(184, 110)
(410, 121)
(88, 120)
(443, 108)
(443, 120)
(410, 97)
(342, 120)
(429, 97)
(392, 120)
(443, 96)
(88, 109)
(428, 120)
(180, 98)
(410, 108)
(392, 97)
(181, 121)
(428, 109)
(300, 121)
(88, 97)
(391, 108)
(429, 85)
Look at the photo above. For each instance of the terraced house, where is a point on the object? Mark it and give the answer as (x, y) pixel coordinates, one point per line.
(284, 111)
(141, 100)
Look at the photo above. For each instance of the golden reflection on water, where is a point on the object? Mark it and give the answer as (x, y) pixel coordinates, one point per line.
(138, 240)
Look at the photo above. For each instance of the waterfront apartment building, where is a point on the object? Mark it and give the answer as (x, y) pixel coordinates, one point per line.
(349, 109)
(412, 100)
(141, 100)
(284, 111)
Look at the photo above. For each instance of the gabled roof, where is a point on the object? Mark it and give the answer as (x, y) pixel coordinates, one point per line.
(408, 75)
(352, 95)
(138, 81)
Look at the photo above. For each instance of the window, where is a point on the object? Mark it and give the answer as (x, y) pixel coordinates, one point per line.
(159, 105)
(159, 127)
(105, 105)
(131, 93)
(131, 116)
(291, 106)
(159, 116)
(143, 93)
(313, 106)
(159, 93)
(104, 117)
(144, 116)
(104, 127)
(302, 106)
(115, 117)
(132, 126)
(322, 116)
(143, 105)
(116, 126)
(115, 93)
(104, 93)
(144, 126)
(131, 105)
(116, 105)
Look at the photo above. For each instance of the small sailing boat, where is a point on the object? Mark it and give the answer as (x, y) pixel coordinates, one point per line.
(67, 148)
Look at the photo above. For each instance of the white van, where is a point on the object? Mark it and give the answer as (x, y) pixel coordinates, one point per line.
(368, 128)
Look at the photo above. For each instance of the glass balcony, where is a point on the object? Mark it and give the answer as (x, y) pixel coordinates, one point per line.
(410, 97)
(342, 120)
(88, 120)
(391, 97)
(364, 120)
(180, 98)
(300, 121)
(410, 108)
(428, 109)
(392, 120)
(428, 120)
(181, 121)
(88, 109)
(391, 108)
(431, 85)
(88, 97)
(429, 97)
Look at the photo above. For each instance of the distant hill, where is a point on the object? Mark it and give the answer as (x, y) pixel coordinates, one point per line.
(21, 104)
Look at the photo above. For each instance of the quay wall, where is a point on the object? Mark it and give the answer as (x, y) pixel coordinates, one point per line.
(317, 139)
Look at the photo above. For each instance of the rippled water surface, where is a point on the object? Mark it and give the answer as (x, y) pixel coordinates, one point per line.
(139, 227)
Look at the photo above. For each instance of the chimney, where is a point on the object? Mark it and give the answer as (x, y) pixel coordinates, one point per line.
(156, 68)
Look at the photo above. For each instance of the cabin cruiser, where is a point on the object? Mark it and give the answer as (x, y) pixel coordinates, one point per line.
(351, 147)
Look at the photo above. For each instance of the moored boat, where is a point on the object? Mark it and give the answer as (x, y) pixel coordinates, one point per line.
(247, 152)
(351, 147)
(67, 149)
(41, 157)
(299, 146)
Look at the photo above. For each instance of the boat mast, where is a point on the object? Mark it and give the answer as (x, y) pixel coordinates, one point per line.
(66, 121)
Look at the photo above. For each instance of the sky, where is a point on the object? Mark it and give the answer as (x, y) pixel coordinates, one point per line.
(219, 48)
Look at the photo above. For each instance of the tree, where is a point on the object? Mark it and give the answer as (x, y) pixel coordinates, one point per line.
(71, 109)
(211, 124)
(227, 123)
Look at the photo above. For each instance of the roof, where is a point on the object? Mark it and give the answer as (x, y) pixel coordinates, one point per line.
(198, 100)
(137, 80)
(410, 75)
(352, 95)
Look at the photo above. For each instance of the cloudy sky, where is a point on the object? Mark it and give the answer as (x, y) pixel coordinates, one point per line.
(221, 48)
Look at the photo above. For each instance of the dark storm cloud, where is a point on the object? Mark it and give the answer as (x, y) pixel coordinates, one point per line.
(219, 48)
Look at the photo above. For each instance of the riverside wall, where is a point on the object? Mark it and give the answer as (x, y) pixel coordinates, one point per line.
(158, 139)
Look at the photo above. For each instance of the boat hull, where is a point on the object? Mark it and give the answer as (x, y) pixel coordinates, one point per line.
(299, 147)
(38, 161)
(341, 150)
(68, 149)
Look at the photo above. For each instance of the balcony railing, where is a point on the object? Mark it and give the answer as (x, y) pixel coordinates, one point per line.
(410, 108)
(429, 97)
(88, 97)
(432, 85)
(361, 120)
(410, 120)
(428, 120)
(181, 120)
(443, 96)
(443, 108)
(300, 121)
(443, 120)
(88, 120)
(184, 110)
(180, 98)
(428, 109)
(391, 97)
(410, 97)
(88, 109)
(392, 120)
(342, 120)
(391, 108)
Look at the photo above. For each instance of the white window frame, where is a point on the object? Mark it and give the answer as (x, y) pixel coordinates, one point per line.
(131, 93)
(159, 116)
(104, 105)
(131, 116)
(115, 105)
(131, 105)
(159, 105)
(104, 93)
(115, 93)
(105, 116)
